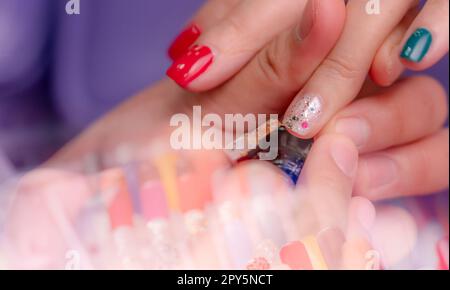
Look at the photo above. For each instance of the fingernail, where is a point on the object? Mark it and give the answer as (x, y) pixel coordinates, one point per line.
(345, 156)
(303, 114)
(295, 256)
(381, 172)
(183, 41)
(417, 45)
(361, 215)
(308, 20)
(357, 129)
(191, 65)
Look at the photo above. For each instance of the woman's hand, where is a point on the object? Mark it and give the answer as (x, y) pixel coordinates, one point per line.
(381, 41)
(399, 132)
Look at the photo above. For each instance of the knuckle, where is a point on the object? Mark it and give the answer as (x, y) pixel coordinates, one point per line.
(439, 106)
(433, 99)
(234, 25)
(421, 163)
(238, 39)
(269, 65)
(339, 67)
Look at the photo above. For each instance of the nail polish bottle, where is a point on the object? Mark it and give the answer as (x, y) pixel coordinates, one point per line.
(292, 153)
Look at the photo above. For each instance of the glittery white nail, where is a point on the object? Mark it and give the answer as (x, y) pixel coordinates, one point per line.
(301, 116)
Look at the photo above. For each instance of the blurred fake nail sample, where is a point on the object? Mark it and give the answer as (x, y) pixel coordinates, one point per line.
(193, 185)
(258, 263)
(315, 253)
(183, 41)
(153, 201)
(239, 244)
(132, 180)
(191, 65)
(237, 239)
(303, 114)
(269, 223)
(114, 189)
(417, 46)
(294, 255)
(166, 167)
(443, 251)
(331, 241)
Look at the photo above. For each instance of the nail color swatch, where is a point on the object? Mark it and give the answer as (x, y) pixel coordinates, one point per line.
(120, 208)
(295, 256)
(315, 253)
(153, 201)
(166, 167)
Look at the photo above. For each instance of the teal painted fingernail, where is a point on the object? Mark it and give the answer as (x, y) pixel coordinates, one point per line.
(417, 45)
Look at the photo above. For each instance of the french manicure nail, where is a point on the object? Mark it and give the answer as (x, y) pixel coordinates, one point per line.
(417, 45)
(191, 65)
(303, 114)
(183, 41)
(357, 129)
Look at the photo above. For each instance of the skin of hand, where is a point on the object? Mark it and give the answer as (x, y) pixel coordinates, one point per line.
(401, 35)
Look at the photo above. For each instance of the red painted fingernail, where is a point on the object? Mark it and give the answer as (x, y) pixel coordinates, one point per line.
(191, 65)
(183, 41)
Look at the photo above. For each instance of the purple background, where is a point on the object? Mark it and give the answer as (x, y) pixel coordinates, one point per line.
(58, 72)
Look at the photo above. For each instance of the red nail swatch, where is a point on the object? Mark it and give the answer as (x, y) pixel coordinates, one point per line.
(184, 40)
(295, 256)
(191, 65)
(120, 208)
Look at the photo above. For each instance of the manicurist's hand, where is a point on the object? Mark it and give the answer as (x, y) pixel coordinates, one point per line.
(400, 133)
